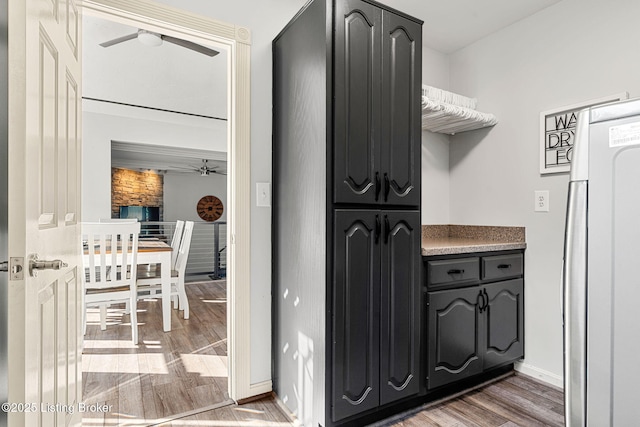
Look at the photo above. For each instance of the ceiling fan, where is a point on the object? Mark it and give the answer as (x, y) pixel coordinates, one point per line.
(204, 169)
(150, 38)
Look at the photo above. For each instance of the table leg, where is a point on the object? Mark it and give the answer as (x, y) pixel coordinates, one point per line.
(165, 278)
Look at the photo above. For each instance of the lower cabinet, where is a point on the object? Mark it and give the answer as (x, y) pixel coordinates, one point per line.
(504, 322)
(376, 307)
(473, 328)
(455, 333)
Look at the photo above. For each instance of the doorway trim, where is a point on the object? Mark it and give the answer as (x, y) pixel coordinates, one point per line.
(237, 40)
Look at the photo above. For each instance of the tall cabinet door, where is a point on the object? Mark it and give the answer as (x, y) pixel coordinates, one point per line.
(400, 305)
(505, 322)
(401, 106)
(358, 32)
(356, 312)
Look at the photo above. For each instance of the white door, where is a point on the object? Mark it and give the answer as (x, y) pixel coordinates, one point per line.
(44, 199)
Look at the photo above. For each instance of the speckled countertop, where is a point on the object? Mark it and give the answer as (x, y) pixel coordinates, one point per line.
(458, 239)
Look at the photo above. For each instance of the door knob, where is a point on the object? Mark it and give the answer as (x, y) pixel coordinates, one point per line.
(36, 264)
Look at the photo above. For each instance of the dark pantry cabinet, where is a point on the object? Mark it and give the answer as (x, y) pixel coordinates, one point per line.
(376, 122)
(376, 309)
(346, 215)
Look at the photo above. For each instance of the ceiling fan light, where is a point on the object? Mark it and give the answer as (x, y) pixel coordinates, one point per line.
(204, 172)
(149, 38)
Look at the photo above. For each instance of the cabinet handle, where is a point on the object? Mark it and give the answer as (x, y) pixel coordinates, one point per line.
(504, 266)
(387, 229)
(387, 187)
(455, 271)
(377, 237)
(486, 302)
(479, 303)
(377, 186)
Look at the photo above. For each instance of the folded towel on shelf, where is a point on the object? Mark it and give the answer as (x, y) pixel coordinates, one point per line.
(446, 97)
(447, 118)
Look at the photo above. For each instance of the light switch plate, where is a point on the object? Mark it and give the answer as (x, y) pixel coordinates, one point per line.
(263, 194)
(541, 201)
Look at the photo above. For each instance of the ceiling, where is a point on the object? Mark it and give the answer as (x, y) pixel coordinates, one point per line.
(450, 25)
(173, 78)
(163, 159)
(167, 77)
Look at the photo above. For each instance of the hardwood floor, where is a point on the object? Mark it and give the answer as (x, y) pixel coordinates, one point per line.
(180, 378)
(166, 374)
(517, 400)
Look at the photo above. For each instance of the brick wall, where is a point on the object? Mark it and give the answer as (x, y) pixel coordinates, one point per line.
(132, 188)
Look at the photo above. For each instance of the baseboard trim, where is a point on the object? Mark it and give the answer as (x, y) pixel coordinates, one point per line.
(254, 398)
(540, 374)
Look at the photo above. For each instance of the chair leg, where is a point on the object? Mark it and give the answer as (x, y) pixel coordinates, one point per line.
(134, 319)
(103, 317)
(176, 302)
(182, 297)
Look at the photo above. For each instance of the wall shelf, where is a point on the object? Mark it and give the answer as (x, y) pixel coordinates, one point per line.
(450, 113)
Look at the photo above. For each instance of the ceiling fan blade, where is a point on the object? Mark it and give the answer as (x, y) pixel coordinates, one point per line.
(190, 45)
(186, 168)
(119, 40)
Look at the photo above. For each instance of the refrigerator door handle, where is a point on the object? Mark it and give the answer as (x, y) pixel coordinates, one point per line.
(575, 305)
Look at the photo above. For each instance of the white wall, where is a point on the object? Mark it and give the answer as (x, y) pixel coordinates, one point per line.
(568, 53)
(103, 123)
(265, 19)
(435, 147)
(183, 191)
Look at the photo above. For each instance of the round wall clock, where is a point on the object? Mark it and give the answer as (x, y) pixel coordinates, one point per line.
(210, 208)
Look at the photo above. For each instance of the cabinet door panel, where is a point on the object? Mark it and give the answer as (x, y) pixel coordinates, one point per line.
(454, 326)
(356, 313)
(400, 305)
(401, 129)
(504, 322)
(357, 101)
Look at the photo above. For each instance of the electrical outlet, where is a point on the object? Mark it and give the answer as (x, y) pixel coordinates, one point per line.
(541, 201)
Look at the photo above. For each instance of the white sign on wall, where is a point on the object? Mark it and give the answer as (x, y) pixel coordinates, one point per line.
(557, 131)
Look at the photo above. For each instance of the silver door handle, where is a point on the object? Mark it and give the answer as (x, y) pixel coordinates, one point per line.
(37, 264)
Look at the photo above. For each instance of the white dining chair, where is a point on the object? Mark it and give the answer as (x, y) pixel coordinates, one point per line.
(110, 262)
(175, 247)
(149, 280)
(175, 241)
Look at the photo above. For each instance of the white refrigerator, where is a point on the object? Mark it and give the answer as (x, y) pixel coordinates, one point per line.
(601, 274)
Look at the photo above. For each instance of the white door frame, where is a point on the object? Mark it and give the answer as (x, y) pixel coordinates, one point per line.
(237, 40)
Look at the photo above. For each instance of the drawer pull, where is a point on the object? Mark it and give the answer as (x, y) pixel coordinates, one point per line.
(455, 271)
(504, 266)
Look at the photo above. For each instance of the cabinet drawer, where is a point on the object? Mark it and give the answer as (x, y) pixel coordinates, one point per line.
(441, 274)
(501, 266)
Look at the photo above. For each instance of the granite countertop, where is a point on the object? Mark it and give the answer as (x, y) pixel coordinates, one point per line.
(459, 239)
